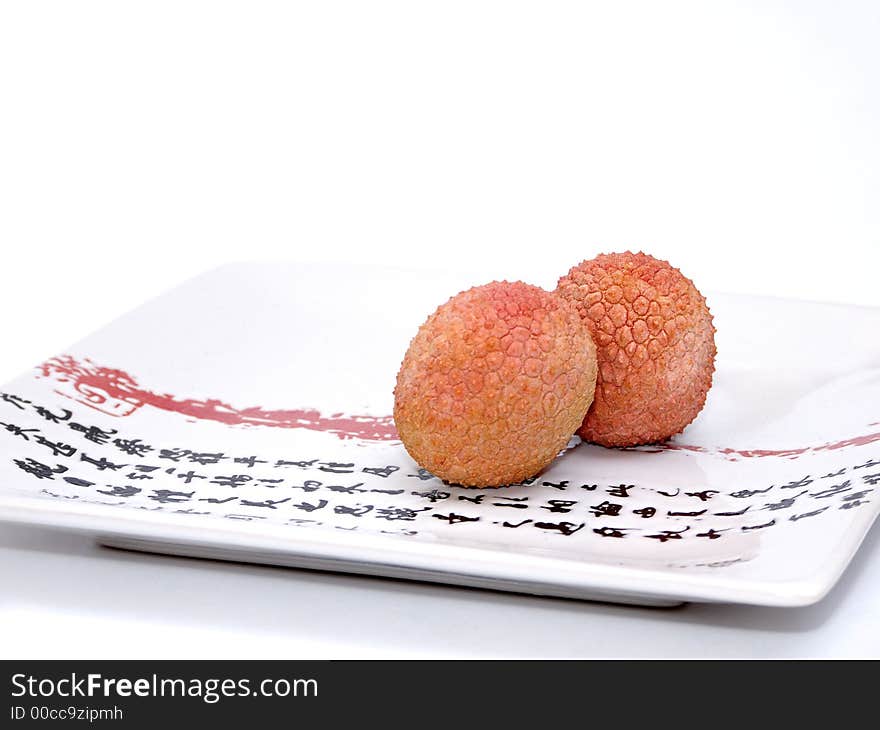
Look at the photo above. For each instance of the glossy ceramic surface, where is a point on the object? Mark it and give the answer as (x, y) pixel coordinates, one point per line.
(245, 416)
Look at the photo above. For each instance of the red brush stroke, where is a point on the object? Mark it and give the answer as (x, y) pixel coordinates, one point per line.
(117, 393)
(869, 438)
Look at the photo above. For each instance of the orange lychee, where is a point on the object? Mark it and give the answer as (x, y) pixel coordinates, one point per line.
(655, 344)
(494, 384)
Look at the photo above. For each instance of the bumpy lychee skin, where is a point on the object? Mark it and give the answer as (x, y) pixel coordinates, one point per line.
(494, 384)
(655, 343)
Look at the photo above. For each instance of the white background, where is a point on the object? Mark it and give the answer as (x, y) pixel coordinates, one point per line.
(141, 143)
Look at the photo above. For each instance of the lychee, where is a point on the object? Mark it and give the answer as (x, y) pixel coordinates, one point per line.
(494, 384)
(655, 343)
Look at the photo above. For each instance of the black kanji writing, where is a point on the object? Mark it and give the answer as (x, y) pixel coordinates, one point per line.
(353, 489)
(559, 505)
(51, 417)
(563, 485)
(357, 511)
(310, 485)
(249, 460)
(166, 496)
(512, 502)
(703, 496)
(620, 490)
(126, 491)
(380, 471)
(58, 448)
(784, 503)
(855, 503)
(15, 400)
(670, 494)
(831, 491)
(733, 514)
(309, 507)
(101, 464)
(206, 458)
(174, 455)
(266, 503)
(141, 468)
(336, 468)
(745, 493)
(93, 433)
(454, 519)
(300, 464)
(75, 481)
(799, 484)
(516, 524)
(433, 496)
(747, 528)
(19, 431)
(399, 513)
(234, 481)
(563, 528)
(606, 509)
(665, 535)
(795, 518)
(132, 447)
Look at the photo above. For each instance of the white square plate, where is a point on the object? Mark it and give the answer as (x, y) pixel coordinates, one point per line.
(245, 416)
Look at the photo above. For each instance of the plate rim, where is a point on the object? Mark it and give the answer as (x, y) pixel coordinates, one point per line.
(573, 578)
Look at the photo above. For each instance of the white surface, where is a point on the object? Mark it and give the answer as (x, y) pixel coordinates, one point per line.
(142, 144)
(65, 597)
